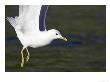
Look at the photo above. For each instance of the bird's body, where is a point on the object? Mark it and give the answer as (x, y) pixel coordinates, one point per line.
(34, 39)
(27, 26)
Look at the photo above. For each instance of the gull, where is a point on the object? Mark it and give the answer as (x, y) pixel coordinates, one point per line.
(31, 29)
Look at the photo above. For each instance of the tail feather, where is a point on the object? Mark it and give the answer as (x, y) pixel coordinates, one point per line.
(12, 21)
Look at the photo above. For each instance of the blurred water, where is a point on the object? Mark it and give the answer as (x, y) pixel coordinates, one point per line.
(85, 51)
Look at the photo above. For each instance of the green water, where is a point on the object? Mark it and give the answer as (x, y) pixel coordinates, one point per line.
(87, 57)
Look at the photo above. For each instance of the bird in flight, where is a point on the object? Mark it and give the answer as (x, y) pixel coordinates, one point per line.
(31, 29)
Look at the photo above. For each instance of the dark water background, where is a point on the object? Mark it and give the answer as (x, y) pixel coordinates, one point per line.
(85, 51)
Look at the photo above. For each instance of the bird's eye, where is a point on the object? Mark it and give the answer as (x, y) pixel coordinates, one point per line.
(56, 33)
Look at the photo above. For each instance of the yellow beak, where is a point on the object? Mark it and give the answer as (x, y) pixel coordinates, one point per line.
(63, 38)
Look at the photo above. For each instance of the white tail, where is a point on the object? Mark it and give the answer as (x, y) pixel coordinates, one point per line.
(12, 21)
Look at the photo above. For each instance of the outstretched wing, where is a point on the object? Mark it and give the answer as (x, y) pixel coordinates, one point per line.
(31, 18)
(42, 18)
(28, 18)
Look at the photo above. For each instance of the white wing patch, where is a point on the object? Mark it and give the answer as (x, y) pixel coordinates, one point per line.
(29, 17)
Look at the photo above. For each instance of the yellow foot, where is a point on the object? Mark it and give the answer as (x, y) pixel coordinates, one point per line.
(22, 63)
(27, 58)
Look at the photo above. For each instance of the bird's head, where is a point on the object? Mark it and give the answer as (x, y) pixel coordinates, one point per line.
(55, 34)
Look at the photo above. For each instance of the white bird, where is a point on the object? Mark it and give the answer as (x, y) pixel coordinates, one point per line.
(31, 29)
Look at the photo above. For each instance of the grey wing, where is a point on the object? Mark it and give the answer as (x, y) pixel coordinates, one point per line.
(42, 17)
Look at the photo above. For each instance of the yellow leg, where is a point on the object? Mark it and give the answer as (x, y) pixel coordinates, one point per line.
(22, 62)
(27, 58)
